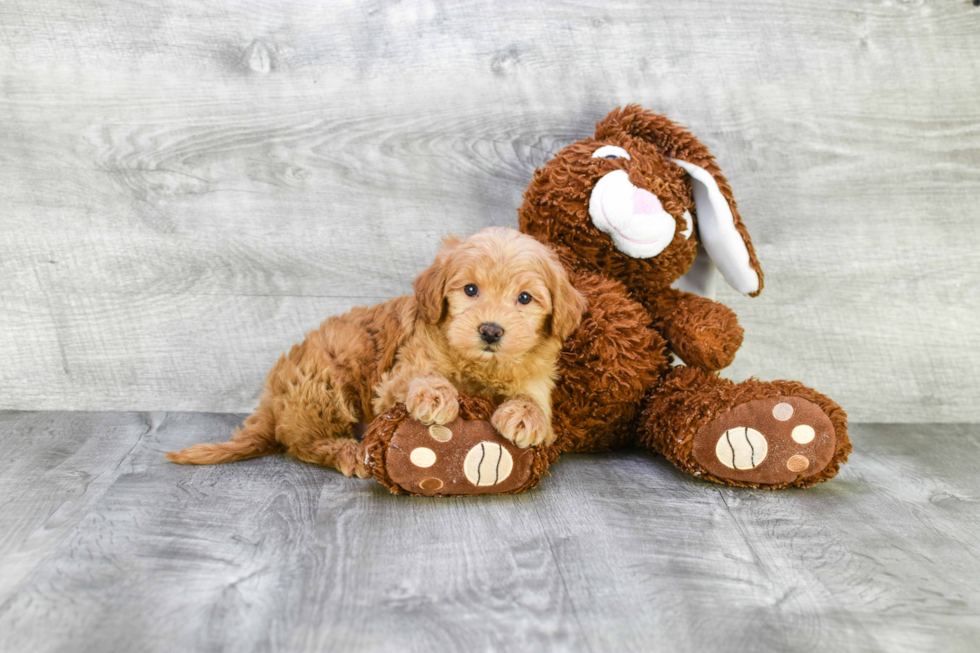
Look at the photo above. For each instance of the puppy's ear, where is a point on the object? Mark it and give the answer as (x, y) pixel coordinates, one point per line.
(430, 285)
(567, 304)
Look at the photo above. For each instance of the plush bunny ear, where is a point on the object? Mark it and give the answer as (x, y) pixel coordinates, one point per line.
(701, 278)
(718, 238)
(720, 230)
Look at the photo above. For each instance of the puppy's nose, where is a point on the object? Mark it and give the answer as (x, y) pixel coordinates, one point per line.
(491, 332)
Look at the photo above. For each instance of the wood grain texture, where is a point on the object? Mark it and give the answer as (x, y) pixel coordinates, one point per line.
(187, 187)
(104, 546)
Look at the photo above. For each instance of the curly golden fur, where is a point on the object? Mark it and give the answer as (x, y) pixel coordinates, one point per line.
(488, 317)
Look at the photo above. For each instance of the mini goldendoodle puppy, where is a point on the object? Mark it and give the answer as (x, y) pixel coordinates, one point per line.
(488, 317)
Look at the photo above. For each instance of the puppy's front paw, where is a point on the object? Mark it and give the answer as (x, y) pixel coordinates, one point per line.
(432, 400)
(523, 423)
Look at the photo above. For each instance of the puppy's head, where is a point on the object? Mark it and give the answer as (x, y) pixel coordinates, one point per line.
(497, 295)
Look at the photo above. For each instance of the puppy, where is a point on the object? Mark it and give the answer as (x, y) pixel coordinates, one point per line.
(488, 317)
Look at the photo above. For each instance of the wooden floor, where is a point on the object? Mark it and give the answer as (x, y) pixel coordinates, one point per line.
(104, 546)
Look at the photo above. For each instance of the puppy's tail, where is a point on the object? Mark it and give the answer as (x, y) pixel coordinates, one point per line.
(257, 437)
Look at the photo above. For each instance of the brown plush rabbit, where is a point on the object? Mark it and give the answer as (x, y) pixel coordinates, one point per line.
(641, 215)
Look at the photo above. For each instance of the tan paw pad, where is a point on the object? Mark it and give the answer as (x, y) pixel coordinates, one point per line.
(797, 463)
(487, 464)
(741, 448)
(782, 411)
(440, 433)
(803, 434)
(423, 457)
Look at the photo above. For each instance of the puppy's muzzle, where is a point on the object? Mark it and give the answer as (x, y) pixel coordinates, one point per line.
(490, 332)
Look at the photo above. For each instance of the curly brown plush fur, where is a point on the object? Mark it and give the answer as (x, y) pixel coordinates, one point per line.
(683, 407)
(606, 368)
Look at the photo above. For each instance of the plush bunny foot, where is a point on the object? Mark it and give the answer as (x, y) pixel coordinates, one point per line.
(758, 434)
(767, 441)
(463, 457)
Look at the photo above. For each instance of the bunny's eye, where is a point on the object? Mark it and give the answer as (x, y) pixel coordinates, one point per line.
(471, 290)
(611, 152)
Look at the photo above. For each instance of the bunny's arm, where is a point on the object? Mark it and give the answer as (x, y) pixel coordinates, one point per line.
(702, 332)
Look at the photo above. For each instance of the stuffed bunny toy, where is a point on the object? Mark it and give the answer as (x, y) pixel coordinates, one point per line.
(642, 217)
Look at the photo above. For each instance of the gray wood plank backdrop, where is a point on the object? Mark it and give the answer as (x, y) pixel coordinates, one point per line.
(187, 187)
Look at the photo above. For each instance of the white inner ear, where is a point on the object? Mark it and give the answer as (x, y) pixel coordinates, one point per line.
(688, 225)
(717, 233)
(701, 278)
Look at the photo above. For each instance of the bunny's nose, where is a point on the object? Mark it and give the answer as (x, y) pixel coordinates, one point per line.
(645, 202)
(490, 332)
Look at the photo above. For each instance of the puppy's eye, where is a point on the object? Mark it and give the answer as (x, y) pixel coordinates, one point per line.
(471, 290)
(524, 298)
(611, 152)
